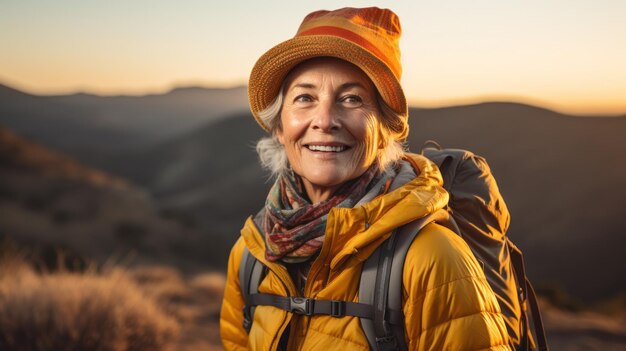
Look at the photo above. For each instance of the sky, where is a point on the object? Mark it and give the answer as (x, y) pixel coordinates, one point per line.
(560, 54)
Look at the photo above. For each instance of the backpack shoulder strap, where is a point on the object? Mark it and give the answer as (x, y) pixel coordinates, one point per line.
(250, 275)
(381, 284)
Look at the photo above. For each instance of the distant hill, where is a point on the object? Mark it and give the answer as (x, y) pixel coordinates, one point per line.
(93, 127)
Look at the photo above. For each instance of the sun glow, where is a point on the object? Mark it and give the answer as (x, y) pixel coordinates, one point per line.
(566, 55)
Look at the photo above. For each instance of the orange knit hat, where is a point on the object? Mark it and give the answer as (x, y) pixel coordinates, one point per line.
(365, 37)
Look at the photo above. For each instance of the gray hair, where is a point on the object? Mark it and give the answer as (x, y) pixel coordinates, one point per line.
(273, 156)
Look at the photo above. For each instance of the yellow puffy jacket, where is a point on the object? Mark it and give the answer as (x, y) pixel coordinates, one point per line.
(447, 302)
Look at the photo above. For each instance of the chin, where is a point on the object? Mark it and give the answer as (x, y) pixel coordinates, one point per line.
(326, 180)
(324, 177)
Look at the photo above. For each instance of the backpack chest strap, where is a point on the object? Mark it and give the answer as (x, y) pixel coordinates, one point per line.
(335, 308)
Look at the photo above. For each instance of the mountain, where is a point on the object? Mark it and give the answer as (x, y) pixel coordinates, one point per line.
(94, 128)
(158, 116)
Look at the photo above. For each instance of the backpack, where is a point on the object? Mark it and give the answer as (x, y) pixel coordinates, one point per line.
(477, 213)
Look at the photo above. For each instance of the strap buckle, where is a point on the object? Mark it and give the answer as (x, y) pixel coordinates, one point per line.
(301, 305)
(337, 308)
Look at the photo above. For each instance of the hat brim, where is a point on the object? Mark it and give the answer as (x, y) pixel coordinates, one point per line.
(270, 70)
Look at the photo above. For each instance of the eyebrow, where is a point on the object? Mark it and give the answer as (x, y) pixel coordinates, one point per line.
(343, 86)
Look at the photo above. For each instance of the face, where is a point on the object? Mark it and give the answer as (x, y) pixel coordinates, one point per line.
(329, 125)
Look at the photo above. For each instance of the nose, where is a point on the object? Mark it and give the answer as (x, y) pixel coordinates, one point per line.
(326, 118)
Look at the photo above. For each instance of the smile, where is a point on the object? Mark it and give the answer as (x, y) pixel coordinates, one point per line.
(327, 148)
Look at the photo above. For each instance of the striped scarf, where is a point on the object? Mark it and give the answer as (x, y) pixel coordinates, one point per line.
(294, 228)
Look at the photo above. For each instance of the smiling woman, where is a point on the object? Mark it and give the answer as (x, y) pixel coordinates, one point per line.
(352, 127)
(332, 103)
(328, 125)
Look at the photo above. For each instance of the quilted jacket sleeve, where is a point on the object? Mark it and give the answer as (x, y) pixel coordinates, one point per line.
(234, 337)
(448, 303)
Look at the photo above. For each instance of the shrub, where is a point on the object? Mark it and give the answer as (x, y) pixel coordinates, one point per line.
(88, 311)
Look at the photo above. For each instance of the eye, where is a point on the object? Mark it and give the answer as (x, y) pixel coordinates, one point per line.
(352, 100)
(303, 98)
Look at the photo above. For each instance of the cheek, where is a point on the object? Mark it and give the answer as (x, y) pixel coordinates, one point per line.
(291, 130)
(371, 134)
(368, 135)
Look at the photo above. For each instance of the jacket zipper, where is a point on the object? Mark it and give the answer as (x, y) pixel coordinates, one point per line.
(281, 277)
(276, 339)
(308, 286)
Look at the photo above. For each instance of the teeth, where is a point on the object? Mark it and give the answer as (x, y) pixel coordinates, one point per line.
(326, 148)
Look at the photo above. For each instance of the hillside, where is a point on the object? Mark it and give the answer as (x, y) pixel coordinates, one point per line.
(49, 202)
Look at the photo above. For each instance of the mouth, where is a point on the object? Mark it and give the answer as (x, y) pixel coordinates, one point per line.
(322, 147)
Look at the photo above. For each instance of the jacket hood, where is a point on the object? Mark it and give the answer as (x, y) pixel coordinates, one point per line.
(353, 234)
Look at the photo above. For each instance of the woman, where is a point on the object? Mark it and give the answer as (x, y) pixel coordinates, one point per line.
(332, 102)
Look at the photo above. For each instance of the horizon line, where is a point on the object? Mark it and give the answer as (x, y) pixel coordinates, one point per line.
(413, 103)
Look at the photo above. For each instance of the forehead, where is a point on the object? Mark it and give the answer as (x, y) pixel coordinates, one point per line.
(319, 69)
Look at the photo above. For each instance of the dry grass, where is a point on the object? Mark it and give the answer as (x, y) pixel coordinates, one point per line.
(116, 309)
(87, 311)
(193, 301)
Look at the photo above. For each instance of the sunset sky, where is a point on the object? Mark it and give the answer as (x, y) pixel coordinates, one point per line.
(564, 54)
